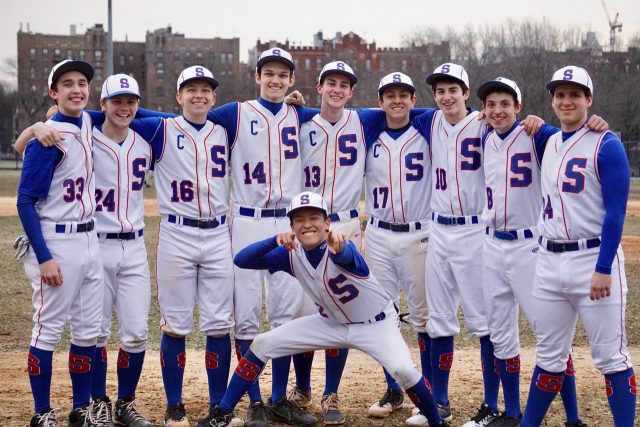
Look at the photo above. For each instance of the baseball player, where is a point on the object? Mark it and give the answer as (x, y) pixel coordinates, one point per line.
(56, 207)
(120, 167)
(513, 202)
(347, 296)
(580, 266)
(398, 190)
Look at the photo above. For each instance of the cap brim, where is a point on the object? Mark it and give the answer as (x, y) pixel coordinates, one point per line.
(122, 92)
(81, 66)
(275, 58)
(404, 85)
(486, 87)
(432, 78)
(350, 76)
(210, 80)
(555, 83)
(294, 210)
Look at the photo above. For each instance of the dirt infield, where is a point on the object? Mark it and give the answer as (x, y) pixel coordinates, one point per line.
(363, 384)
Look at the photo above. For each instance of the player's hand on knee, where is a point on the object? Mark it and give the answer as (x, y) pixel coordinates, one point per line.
(600, 286)
(50, 273)
(294, 98)
(287, 239)
(47, 135)
(531, 124)
(597, 124)
(336, 241)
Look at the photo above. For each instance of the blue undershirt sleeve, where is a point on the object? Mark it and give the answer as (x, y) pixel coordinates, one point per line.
(613, 167)
(540, 139)
(374, 121)
(264, 255)
(226, 116)
(306, 113)
(152, 130)
(423, 123)
(144, 113)
(351, 260)
(97, 117)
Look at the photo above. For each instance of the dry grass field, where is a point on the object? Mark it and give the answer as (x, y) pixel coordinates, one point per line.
(363, 382)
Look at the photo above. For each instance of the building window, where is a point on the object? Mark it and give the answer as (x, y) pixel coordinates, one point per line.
(122, 59)
(368, 64)
(307, 63)
(32, 53)
(159, 54)
(97, 55)
(98, 72)
(199, 55)
(187, 55)
(45, 90)
(56, 53)
(69, 53)
(230, 57)
(81, 54)
(160, 73)
(130, 58)
(176, 56)
(382, 64)
(404, 65)
(318, 64)
(33, 88)
(45, 52)
(45, 72)
(223, 58)
(32, 72)
(296, 62)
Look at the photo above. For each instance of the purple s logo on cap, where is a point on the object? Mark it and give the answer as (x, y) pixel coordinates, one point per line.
(568, 75)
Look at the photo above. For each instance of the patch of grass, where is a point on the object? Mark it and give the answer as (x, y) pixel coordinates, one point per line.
(9, 180)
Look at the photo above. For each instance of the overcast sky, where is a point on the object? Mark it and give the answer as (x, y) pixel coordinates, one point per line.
(383, 21)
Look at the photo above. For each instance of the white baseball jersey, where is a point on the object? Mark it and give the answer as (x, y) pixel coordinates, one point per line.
(193, 189)
(265, 164)
(345, 297)
(572, 196)
(398, 178)
(70, 197)
(512, 177)
(457, 166)
(333, 159)
(119, 182)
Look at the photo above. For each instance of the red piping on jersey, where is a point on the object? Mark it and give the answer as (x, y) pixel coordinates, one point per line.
(35, 344)
(564, 218)
(622, 329)
(117, 157)
(535, 152)
(126, 212)
(324, 282)
(163, 321)
(206, 168)
(195, 146)
(164, 142)
(233, 144)
(335, 160)
(324, 171)
(93, 167)
(400, 173)
(268, 150)
(506, 175)
(595, 155)
(458, 169)
(88, 180)
(280, 147)
(393, 210)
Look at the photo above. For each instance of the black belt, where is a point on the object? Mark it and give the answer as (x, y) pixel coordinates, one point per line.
(122, 236)
(509, 234)
(378, 317)
(559, 247)
(335, 218)
(79, 228)
(197, 223)
(264, 213)
(453, 220)
(391, 226)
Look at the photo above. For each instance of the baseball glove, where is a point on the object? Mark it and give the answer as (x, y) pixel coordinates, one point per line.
(20, 246)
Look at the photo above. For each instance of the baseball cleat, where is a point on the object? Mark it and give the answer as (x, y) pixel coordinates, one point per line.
(417, 420)
(300, 397)
(126, 414)
(101, 412)
(287, 412)
(217, 417)
(330, 405)
(176, 416)
(505, 421)
(256, 415)
(390, 401)
(445, 412)
(483, 418)
(44, 418)
(576, 423)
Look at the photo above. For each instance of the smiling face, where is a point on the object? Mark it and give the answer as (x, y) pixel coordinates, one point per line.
(396, 102)
(274, 78)
(310, 226)
(571, 105)
(120, 110)
(196, 98)
(71, 93)
(335, 91)
(450, 98)
(501, 110)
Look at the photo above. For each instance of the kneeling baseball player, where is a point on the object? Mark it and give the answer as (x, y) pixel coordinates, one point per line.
(353, 309)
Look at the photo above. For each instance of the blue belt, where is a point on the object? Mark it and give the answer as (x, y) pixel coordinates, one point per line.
(353, 213)
(509, 234)
(264, 213)
(198, 223)
(79, 228)
(122, 236)
(453, 220)
(559, 247)
(401, 228)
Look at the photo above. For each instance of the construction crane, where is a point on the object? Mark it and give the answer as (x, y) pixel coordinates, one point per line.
(613, 26)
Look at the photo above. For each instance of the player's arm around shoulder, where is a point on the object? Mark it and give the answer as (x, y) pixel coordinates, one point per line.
(47, 135)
